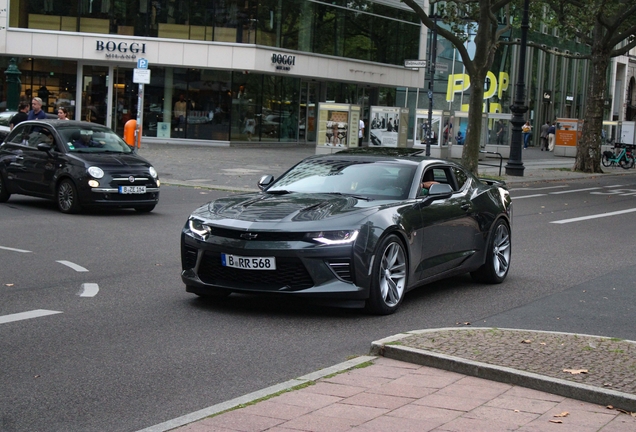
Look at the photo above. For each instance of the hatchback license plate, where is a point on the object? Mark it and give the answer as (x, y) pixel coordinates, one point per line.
(132, 189)
(248, 263)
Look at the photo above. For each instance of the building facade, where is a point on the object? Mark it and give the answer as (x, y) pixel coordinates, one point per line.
(234, 71)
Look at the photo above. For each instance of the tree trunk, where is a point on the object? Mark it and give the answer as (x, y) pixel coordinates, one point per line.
(472, 143)
(588, 148)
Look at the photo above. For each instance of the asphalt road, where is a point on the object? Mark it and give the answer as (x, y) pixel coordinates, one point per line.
(140, 351)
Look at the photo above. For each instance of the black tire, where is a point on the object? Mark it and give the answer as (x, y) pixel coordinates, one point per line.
(145, 209)
(626, 162)
(4, 192)
(605, 160)
(67, 198)
(498, 252)
(389, 277)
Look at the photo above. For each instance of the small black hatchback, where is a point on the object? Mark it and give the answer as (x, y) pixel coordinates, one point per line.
(77, 164)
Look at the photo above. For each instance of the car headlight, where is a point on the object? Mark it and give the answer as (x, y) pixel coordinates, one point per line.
(96, 172)
(197, 228)
(153, 172)
(334, 237)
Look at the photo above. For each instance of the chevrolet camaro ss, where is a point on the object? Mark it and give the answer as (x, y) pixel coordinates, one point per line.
(355, 228)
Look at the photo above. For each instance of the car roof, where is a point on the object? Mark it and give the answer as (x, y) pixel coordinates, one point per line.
(66, 123)
(395, 154)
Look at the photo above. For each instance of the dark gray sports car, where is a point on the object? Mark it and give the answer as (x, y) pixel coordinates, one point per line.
(356, 228)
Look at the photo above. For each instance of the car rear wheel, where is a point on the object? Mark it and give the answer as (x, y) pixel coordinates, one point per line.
(67, 199)
(4, 192)
(390, 276)
(497, 264)
(145, 209)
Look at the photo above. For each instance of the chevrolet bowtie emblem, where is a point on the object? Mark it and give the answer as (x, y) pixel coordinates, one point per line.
(249, 236)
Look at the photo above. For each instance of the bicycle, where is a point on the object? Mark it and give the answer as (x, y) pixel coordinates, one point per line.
(624, 159)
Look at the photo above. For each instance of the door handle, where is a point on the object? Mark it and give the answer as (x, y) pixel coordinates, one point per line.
(19, 158)
(465, 206)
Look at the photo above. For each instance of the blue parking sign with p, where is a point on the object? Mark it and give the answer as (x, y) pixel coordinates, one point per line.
(142, 63)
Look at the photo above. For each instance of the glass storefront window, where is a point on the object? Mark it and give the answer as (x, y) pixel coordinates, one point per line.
(361, 30)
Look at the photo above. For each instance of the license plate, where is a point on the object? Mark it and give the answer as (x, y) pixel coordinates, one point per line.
(248, 263)
(132, 189)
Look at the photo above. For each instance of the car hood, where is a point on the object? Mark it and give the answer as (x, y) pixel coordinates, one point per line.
(294, 207)
(112, 160)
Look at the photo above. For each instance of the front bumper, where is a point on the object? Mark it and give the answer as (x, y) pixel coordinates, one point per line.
(303, 269)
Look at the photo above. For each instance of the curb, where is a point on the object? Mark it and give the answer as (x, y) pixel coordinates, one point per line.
(259, 394)
(387, 348)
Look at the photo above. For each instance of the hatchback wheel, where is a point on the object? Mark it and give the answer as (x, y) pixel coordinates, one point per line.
(67, 199)
(390, 276)
(497, 264)
(4, 193)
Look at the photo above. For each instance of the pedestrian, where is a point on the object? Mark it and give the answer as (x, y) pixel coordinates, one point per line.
(551, 136)
(500, 132)
(20, 116)
(36, 112)
(525, 130)
(62, 113)
(544, 135)
(250, 125)
(360, 133)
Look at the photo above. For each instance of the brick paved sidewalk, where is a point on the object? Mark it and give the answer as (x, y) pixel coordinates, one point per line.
(391, 395)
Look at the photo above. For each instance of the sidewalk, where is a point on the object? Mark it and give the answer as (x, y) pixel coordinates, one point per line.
(455, 379)
(459, 379)
(238, 169)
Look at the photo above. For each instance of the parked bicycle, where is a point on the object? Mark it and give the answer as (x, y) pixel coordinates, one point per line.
(624, 159)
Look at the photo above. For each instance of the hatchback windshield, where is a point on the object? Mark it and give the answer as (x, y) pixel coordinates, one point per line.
(93, 139)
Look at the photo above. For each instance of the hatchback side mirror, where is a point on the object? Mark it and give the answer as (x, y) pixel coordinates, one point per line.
(45, 147)
(265, 181)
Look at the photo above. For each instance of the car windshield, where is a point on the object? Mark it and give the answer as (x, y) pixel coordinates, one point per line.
(6, 117)
(370, 179)
(93, 139)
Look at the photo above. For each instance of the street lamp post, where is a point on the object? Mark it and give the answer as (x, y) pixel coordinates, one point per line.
(515, 167)
(431, 69)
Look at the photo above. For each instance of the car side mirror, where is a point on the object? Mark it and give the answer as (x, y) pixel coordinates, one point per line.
(45, 147)
(440, 191)
(265, 181)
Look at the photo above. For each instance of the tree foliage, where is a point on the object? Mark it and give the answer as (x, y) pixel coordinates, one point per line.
(609, 28)
(480, 17)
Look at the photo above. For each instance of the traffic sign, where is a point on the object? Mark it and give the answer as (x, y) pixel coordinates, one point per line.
(141, 76)
(142, 63)
(415, 63)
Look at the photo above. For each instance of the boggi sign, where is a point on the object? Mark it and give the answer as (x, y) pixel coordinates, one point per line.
(120, 50)
(283, 62)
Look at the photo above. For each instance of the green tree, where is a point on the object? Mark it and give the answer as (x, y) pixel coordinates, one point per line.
(483, 18)
(609, 28)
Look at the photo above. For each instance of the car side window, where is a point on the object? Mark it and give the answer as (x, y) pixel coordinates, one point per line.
(20, 136)
(40, 135)
(461, 177)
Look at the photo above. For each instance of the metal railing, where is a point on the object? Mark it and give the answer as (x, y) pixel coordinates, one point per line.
(491, 165)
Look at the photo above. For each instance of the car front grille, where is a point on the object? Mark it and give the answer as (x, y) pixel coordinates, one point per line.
(260, 236)
(290, 274)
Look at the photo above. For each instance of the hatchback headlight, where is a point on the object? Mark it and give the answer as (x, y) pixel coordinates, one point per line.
(333, 237)
(96, 172)
(153, 172)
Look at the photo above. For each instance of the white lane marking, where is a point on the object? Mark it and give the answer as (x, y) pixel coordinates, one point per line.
(574, 190)
(582, 218)
(15, 250)
(89, 290)
(26, 315)
(530, 196)
(74, 266)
